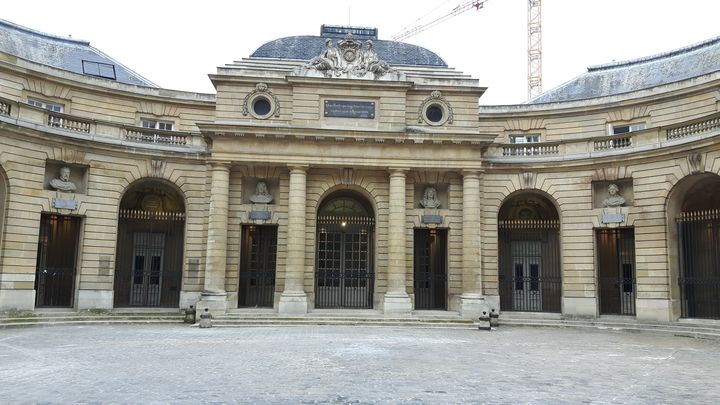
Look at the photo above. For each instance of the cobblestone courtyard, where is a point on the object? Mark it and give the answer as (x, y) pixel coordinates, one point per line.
(181, 364)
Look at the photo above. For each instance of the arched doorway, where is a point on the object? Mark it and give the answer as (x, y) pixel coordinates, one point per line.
(344, 268)
(149, 260)
(698, 231)
(529, 254)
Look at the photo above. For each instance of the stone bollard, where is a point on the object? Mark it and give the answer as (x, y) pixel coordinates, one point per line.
(484, 323)
(205, 319)
(494, 318)
(190, 315)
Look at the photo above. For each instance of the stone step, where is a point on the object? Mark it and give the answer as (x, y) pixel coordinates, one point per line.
(338, 322)
(87, 321)
(703, 331)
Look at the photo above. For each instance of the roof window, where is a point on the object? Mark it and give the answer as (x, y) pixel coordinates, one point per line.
(99, 69)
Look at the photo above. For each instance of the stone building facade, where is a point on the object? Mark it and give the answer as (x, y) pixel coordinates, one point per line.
(345, 172)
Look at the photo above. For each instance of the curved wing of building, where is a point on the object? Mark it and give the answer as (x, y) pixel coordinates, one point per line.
(345, 171)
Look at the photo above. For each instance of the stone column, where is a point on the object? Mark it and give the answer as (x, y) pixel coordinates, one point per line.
(471, 300)
(293, 299)
(396, 300)
(214, 296)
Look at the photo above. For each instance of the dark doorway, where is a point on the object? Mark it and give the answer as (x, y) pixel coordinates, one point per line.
(430, 268)
(616, 270)
(344, 276)
(257, 266)
(56, 260)
(149, 261)
(529, 255)
(698, 227)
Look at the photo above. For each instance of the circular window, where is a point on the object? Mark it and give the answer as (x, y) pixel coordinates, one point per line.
(261, 106)
(434, 113)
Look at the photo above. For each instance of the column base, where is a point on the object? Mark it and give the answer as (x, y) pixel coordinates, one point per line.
(579, 307)
(293, 303)
(87, 299)
(472, 306)
(397, 304)
(655, 310)
(20, 300)
(216, 303)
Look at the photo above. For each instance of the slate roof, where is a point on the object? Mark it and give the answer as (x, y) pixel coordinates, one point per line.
(59, 52)
(637, 74)
(306, 47)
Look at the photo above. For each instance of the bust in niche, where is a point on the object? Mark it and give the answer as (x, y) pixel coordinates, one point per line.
(430, 199)
(262, 195)
(63, 183)
(614, 199)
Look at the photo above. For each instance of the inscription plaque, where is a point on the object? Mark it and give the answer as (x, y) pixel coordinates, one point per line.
(260, 215)
(612, 218)
(61, 203)
(432, 219)
(350, 109)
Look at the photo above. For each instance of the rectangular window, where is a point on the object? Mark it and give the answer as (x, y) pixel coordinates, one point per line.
(524, 138)
(43, 104)
(623, 129)
(154, 124)
(99, 69)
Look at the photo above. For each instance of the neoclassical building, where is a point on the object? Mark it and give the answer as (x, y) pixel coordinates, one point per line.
(342, 171)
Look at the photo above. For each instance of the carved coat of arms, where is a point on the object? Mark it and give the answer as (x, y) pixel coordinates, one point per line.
(349, 57)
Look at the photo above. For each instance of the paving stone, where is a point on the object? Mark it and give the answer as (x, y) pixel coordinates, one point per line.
(352, 365)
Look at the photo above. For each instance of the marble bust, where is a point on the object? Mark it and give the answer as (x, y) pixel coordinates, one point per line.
(430, 199)
(262, 195)
(63, 182)
(614, 199)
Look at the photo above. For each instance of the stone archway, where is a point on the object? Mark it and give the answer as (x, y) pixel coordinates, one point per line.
(344, 265)
(149, 260)
(529, 254)
(694, 212)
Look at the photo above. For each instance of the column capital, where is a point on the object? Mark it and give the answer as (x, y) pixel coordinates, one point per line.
(220, 165)
(298, 168)
(398, 171)
(471, 172)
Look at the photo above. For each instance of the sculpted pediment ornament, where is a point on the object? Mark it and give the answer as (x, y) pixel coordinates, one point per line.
(349, 59)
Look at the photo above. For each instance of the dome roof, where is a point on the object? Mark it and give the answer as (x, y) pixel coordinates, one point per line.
(627, 76)
(306, 47)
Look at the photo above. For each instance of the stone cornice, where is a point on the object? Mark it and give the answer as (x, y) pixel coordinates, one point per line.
(409, 135)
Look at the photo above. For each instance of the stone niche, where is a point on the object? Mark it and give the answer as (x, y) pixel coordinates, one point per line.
(601, 193)
(78, 176)
(442, 195)
(250, 185)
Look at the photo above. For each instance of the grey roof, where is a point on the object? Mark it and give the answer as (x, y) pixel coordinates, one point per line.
(306, 47)
(62, 53)
(637, 74)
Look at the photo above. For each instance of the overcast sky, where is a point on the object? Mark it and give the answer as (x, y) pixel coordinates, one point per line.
(178, 43)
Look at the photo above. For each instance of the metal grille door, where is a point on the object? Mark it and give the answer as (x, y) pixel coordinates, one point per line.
(148, 269)
(616, 270)
(430, 268)
(257, 268)
(529, 265)
(148, 253)
(699, 233)
(344, 275)
(56, 260)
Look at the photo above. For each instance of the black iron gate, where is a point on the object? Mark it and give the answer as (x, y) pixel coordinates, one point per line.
(529, 265)
(148, 271)
(56, 260)
(616, 270)
(430, 268)
(257, 266)
(344, 276)
(699, 233)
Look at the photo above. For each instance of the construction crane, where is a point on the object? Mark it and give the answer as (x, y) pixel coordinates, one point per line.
(476, 4)
(534, 37)
(534, 48)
